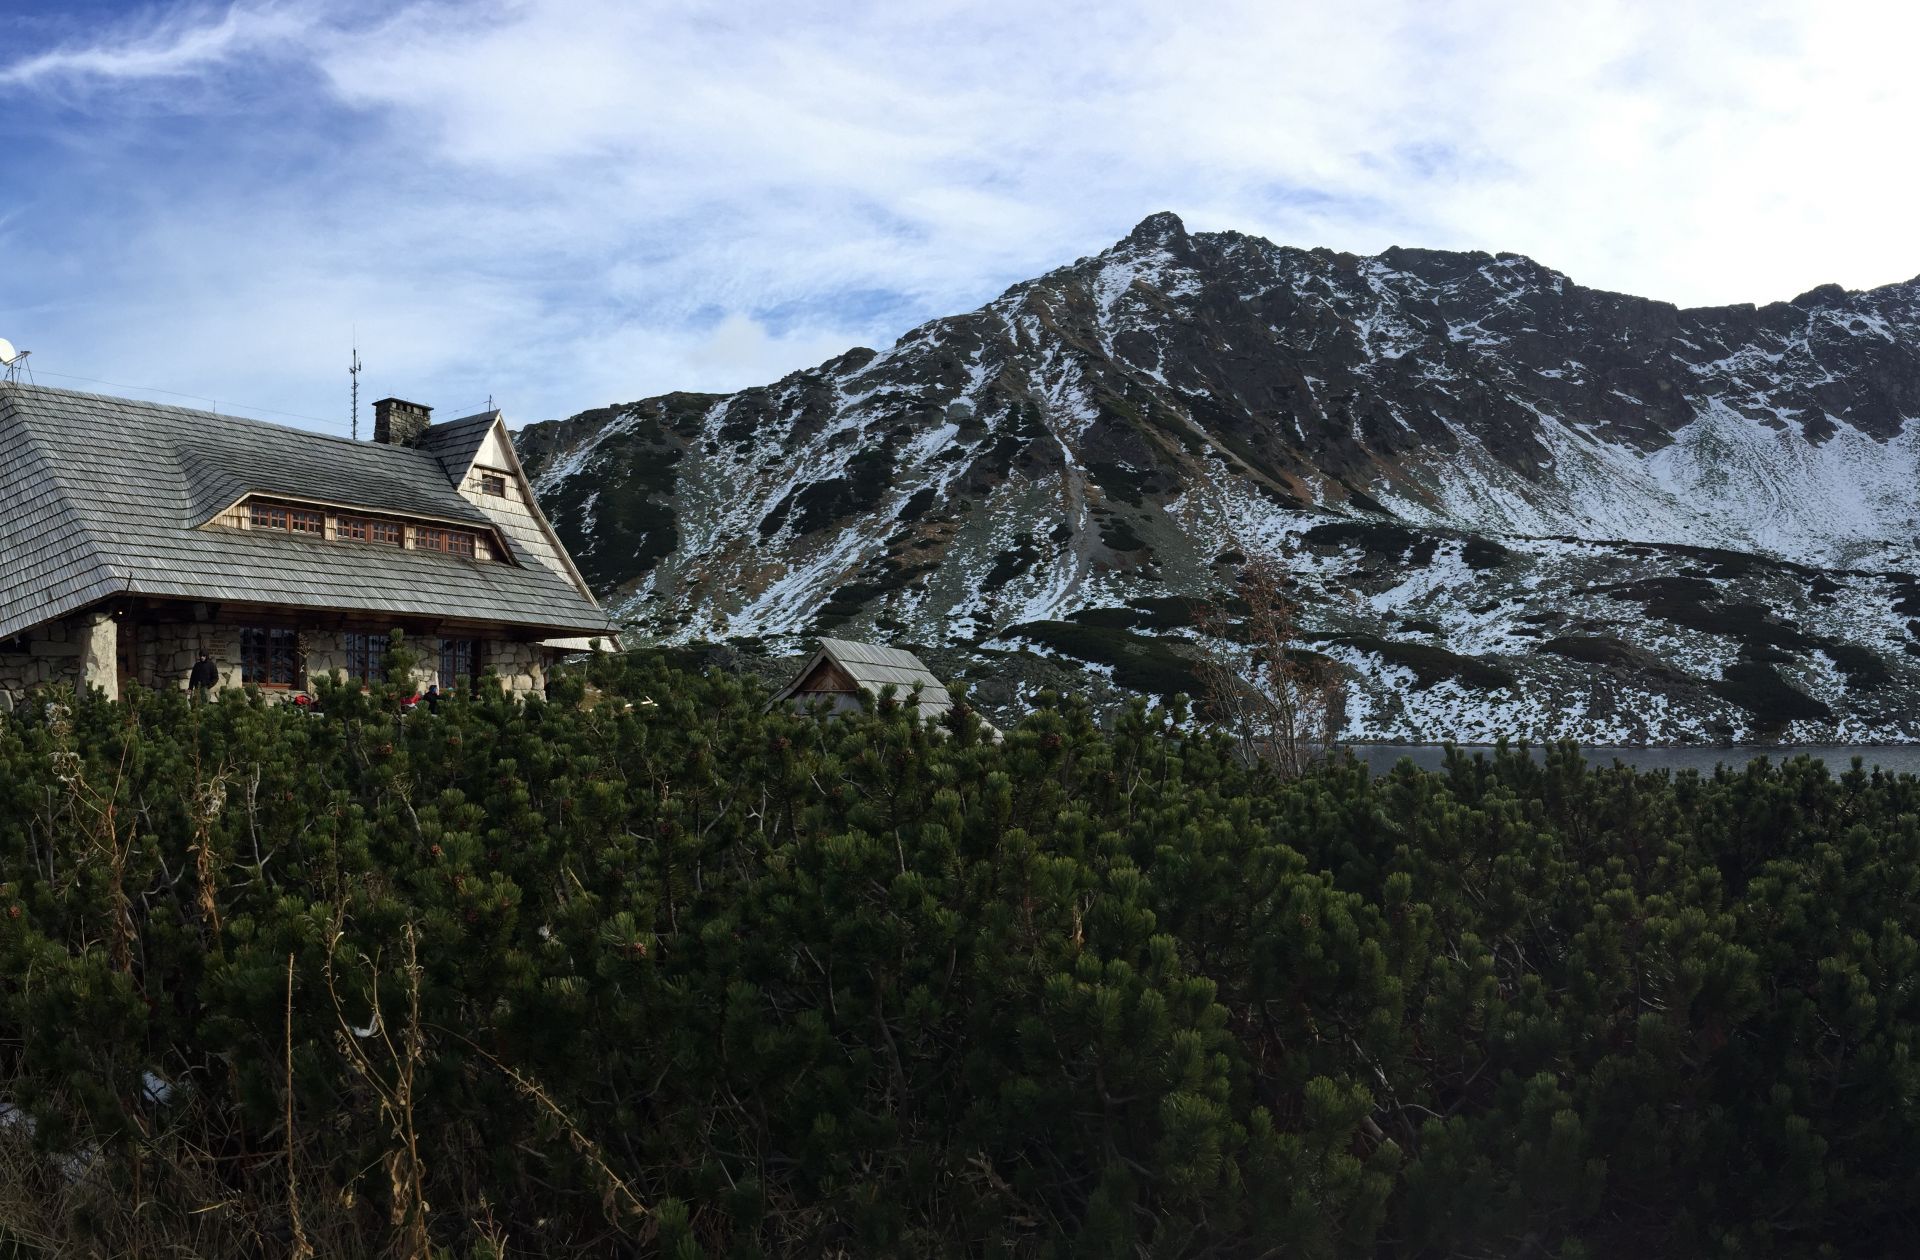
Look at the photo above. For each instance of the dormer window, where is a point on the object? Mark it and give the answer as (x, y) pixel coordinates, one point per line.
(459, 542)
(494, 484)
(362, 529)
(296, 520)
(318, 523)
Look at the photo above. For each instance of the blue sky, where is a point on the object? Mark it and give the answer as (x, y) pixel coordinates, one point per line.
(567, 203)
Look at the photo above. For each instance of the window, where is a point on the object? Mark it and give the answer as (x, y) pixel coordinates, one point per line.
(298, 520)
(362, 529)
(269, 658)
(494, 484)
(366, 657)
(459, 663)
(458, 541)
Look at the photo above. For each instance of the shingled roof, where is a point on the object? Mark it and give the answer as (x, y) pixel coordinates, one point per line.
(456, 442)
(871, 667)
(108, 496)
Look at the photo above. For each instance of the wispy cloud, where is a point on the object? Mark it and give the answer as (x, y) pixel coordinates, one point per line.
(567, 202)
(171, 44)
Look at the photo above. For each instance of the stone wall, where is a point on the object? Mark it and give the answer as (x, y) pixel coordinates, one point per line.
(82, 651)
(521, 667)
(166, 654)
(72, 653)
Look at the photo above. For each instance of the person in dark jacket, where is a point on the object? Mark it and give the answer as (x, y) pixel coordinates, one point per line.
(204, 677)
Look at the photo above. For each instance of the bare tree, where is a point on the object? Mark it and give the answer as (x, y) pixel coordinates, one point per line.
(1281, 705)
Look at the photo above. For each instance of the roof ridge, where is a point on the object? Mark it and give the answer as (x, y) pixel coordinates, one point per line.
(444, 425)
(223, 416)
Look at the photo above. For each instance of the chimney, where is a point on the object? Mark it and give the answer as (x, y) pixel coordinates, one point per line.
(400, 423)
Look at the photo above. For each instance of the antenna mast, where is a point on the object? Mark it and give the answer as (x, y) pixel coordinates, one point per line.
(354, 371)
(13, 361)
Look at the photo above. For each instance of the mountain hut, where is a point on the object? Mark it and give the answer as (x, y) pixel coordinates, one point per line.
(840, 670)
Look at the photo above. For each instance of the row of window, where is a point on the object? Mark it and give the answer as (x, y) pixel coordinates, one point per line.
(366, 529)
(271, 657)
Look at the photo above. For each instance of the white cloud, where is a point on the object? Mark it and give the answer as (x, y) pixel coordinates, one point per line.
(648, 197)
(176, 44)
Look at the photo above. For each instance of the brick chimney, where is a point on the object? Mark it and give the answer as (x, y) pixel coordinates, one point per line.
(400, 423)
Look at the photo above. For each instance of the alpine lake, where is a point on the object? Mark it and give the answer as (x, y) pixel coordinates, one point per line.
(1838, 758)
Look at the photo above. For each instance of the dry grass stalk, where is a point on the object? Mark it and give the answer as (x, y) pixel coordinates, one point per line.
(586, 1146)
(302, 1249)
(405, 1165)
(1281, 707)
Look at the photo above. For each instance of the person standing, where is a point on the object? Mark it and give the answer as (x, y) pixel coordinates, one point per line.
(204, 677)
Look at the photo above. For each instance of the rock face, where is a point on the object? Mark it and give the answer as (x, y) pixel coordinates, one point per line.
(1511, 505)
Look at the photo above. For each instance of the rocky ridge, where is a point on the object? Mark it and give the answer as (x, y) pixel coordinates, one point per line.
(1511, 504)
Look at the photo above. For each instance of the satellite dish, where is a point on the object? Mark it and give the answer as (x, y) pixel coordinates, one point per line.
(7, 353)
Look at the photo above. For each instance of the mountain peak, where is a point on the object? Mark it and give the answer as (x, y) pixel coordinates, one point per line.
(1820, 295)
(1511, 505)
(1157, 229)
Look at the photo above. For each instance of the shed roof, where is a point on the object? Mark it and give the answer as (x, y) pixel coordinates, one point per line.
(105, 496)
(872, 667)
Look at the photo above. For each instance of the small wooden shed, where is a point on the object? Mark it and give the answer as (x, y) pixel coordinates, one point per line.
(840, 670)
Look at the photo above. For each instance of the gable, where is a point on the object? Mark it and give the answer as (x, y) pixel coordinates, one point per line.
(495, 452)
(493, 465)
(825, 678)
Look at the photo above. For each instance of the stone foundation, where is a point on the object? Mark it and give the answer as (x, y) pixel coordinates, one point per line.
(83, 651)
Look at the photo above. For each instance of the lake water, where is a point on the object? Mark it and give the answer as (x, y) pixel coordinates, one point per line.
(1894, 758)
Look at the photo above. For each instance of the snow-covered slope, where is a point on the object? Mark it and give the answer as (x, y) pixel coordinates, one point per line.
(1512, 504)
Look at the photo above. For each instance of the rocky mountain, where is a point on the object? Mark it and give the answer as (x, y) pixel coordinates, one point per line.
(1510, 504)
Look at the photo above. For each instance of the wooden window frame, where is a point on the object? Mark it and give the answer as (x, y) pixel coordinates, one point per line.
(366, 653)
(494, 483)
(459, 664)
(371, 530)
(442, 538)
(270, 657)
(379, 531)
